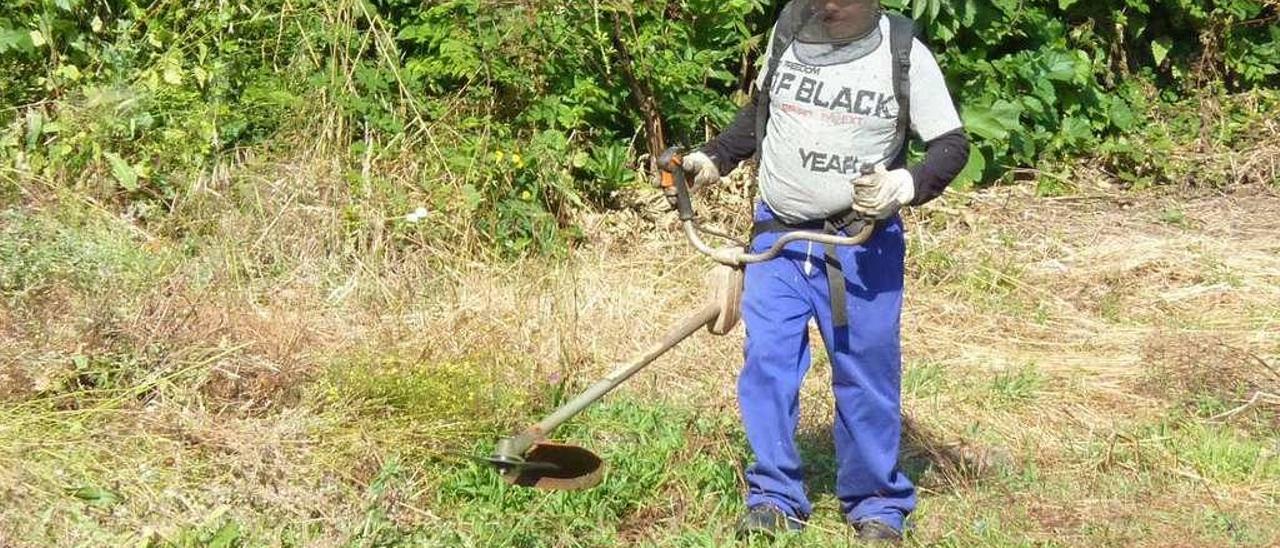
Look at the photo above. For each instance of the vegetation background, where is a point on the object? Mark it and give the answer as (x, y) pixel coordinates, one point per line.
(514, 114)
(262, 262)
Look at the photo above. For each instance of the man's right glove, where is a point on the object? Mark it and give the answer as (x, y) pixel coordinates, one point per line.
(703, 169)
(881, 194)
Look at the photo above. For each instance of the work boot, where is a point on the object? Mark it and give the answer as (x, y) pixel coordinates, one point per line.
(766, 520)
(874, 530)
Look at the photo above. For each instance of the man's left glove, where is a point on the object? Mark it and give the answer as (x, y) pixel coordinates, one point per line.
(881, 194)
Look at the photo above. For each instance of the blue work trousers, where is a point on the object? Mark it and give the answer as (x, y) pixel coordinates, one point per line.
(781, 297)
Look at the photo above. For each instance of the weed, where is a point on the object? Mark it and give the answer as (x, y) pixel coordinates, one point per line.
(1111, 304)
(40, 252)
(931, 266)
(1224, 455)
(924, 380)
(1174, 216)
(1018, 386)
(225, 535)
(1218, 272)
(1052, 186)
(441, 398)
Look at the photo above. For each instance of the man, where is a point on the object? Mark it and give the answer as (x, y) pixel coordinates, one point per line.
(843, 85)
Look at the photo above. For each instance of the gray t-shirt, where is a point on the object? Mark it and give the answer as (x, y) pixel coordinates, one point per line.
(826, 121)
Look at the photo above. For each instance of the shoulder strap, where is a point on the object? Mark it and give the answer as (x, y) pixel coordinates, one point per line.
(790, 21)
(788, 26)
(902, 33)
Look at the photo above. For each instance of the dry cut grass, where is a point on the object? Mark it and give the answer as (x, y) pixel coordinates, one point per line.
(1090, 370)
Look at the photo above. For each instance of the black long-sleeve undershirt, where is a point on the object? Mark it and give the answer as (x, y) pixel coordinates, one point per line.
(738, 141)
(944, 158)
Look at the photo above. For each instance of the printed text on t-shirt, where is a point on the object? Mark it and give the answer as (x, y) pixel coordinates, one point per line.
(813, 92)
(819, 162)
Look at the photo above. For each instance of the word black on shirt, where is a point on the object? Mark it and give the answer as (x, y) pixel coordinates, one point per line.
(813, 92)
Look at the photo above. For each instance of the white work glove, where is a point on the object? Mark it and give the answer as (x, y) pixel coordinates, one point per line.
(703, 169)
(881, 194)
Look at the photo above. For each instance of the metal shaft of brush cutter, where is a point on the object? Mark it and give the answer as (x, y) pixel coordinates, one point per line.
(516, 446)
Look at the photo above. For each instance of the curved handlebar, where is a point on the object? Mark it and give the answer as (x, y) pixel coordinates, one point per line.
(737, 257)
(674, 182)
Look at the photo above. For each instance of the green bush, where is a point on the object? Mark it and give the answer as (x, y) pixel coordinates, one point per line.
(1046, 80)
(145, 94)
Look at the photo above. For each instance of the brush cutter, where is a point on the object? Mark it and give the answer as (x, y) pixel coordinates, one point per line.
(527, 458)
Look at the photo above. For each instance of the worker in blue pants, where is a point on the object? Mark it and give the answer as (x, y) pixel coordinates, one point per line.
(843, 86)
(781, 297)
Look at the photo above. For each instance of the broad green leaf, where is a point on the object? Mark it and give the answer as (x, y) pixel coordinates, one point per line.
(16, 40)
(35, 128)
(994, 122)
(173, 75)
(1160, 49)
(123, 172)
(1120, 115)
(1059, 66)
(96, 496)
(69, 72)
(1075, 131)
(982, 123)
(227, 536)
(973, 169)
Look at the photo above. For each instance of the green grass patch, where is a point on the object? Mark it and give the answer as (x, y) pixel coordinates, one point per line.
(83, 250)
(931, 265)
(923, 380)
(1224, 454)
(443, 399)
(1017, 386)
(1188, 448)
(1173, 215)
(637, 442)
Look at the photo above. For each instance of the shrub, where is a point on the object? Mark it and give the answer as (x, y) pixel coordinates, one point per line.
(145, 94)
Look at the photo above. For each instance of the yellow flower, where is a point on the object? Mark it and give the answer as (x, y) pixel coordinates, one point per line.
(517, 160)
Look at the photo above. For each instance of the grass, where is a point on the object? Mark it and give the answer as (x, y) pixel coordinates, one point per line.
(1080, 371)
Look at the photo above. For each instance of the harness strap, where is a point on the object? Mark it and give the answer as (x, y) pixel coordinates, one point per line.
(901, 40)
(835, 270)
(789, 22)
(835, 284)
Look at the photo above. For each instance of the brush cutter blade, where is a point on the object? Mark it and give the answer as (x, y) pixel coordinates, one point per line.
(559, 468)
(510, 466)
